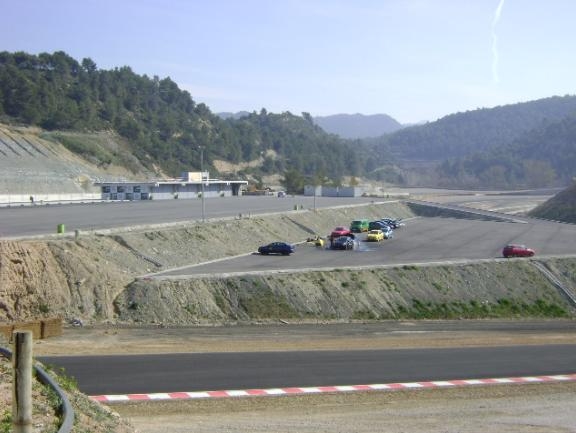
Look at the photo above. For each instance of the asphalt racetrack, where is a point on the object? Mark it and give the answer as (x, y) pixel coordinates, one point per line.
(25, 221)
(422, 240)
(187, 372)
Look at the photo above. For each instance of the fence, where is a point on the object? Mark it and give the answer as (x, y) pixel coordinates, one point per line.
(43, 328)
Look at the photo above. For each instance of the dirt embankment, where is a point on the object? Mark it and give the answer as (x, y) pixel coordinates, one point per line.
(38, 162)
(441, 292)
(94, 278)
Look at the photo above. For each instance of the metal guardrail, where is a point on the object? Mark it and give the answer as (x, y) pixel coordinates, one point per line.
(569, 294)
(46, 379)
(137, 253)
(448, 208)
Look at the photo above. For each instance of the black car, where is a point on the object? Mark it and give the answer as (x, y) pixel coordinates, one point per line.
(393, 223)
(342, 243)
(276, 248)
(378, 225)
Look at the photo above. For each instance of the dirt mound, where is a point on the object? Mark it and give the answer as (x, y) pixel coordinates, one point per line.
(487, 290)
(561, 207)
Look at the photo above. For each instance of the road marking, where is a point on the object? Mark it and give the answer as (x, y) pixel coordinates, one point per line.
(333, 389)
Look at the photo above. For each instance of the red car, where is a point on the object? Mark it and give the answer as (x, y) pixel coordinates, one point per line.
(340, 231)
(517, 251)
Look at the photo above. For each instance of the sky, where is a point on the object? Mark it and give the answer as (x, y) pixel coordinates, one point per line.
(415, 60)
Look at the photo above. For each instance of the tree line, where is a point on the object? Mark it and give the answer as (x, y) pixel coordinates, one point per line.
(531, 144)
(162, 123)
(539, 158)
(524, 145)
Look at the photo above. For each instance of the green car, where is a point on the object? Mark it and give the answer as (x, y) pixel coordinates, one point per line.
(359, 226)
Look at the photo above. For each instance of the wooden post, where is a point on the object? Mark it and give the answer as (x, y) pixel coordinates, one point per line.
(22, 382)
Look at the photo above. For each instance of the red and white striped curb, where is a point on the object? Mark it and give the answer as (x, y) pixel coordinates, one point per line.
(332, 389)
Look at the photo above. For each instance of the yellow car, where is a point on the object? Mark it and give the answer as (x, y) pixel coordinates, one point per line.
(375, 236)
(316, 241)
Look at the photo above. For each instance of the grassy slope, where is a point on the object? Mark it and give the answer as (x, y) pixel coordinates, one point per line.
(561, 207)
(33, 161)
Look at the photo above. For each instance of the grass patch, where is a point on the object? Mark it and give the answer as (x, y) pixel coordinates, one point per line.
(6, 422)
(86, 148)
(67, 383)
(364, 315)
(502, 308)
(439, 287)
(220, 302)
(266, 305)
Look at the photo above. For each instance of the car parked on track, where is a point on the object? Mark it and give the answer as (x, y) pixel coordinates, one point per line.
(342, 243)
(377, 225)
(340, 231)
(282, 248)
(376, 235)
(395, 223)
(388, 232)
(513, 250)
(359, 226)
(316, 241)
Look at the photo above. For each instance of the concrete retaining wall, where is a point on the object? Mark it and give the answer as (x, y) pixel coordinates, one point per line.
(37, 199)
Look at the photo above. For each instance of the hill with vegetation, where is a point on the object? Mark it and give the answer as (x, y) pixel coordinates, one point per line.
(162, 125)
(143, 126)
(525, 145)
(463, 134)
(539, 158)
(561, 207)
(355, 126)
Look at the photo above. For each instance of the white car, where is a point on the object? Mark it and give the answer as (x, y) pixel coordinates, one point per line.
(388, 232)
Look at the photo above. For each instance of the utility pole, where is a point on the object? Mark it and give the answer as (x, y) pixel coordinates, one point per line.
(315, 187)
(22, 382)
(202, 182)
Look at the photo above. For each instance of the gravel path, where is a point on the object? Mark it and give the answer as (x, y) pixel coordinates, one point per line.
(497, 409)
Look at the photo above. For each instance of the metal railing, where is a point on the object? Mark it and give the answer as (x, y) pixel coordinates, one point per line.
(65, 406)
(568, 293)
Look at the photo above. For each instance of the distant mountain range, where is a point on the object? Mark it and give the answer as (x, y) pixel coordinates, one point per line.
(354, 126)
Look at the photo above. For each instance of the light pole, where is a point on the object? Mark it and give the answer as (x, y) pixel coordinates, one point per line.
(315, 197)
(202, 182)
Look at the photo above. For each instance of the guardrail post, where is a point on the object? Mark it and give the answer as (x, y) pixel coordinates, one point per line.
(22, 382)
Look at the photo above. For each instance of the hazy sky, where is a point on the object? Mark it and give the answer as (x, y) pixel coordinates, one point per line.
(412, 59)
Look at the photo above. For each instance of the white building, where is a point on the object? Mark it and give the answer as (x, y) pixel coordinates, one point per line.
(333, 191)
(190, 185)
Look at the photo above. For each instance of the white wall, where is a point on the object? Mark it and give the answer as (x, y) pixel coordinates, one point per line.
(24, 199)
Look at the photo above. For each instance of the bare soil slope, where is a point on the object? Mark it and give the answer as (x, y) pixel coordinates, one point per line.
(94, 278)
(561, 207)
(33, 161)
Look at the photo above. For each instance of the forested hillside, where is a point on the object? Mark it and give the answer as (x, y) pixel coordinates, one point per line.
(526, 145)
(539, 158)
(162, 124)
(532, 144)
(466, 133)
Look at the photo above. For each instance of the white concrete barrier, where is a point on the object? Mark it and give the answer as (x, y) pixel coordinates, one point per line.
(39, 199)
